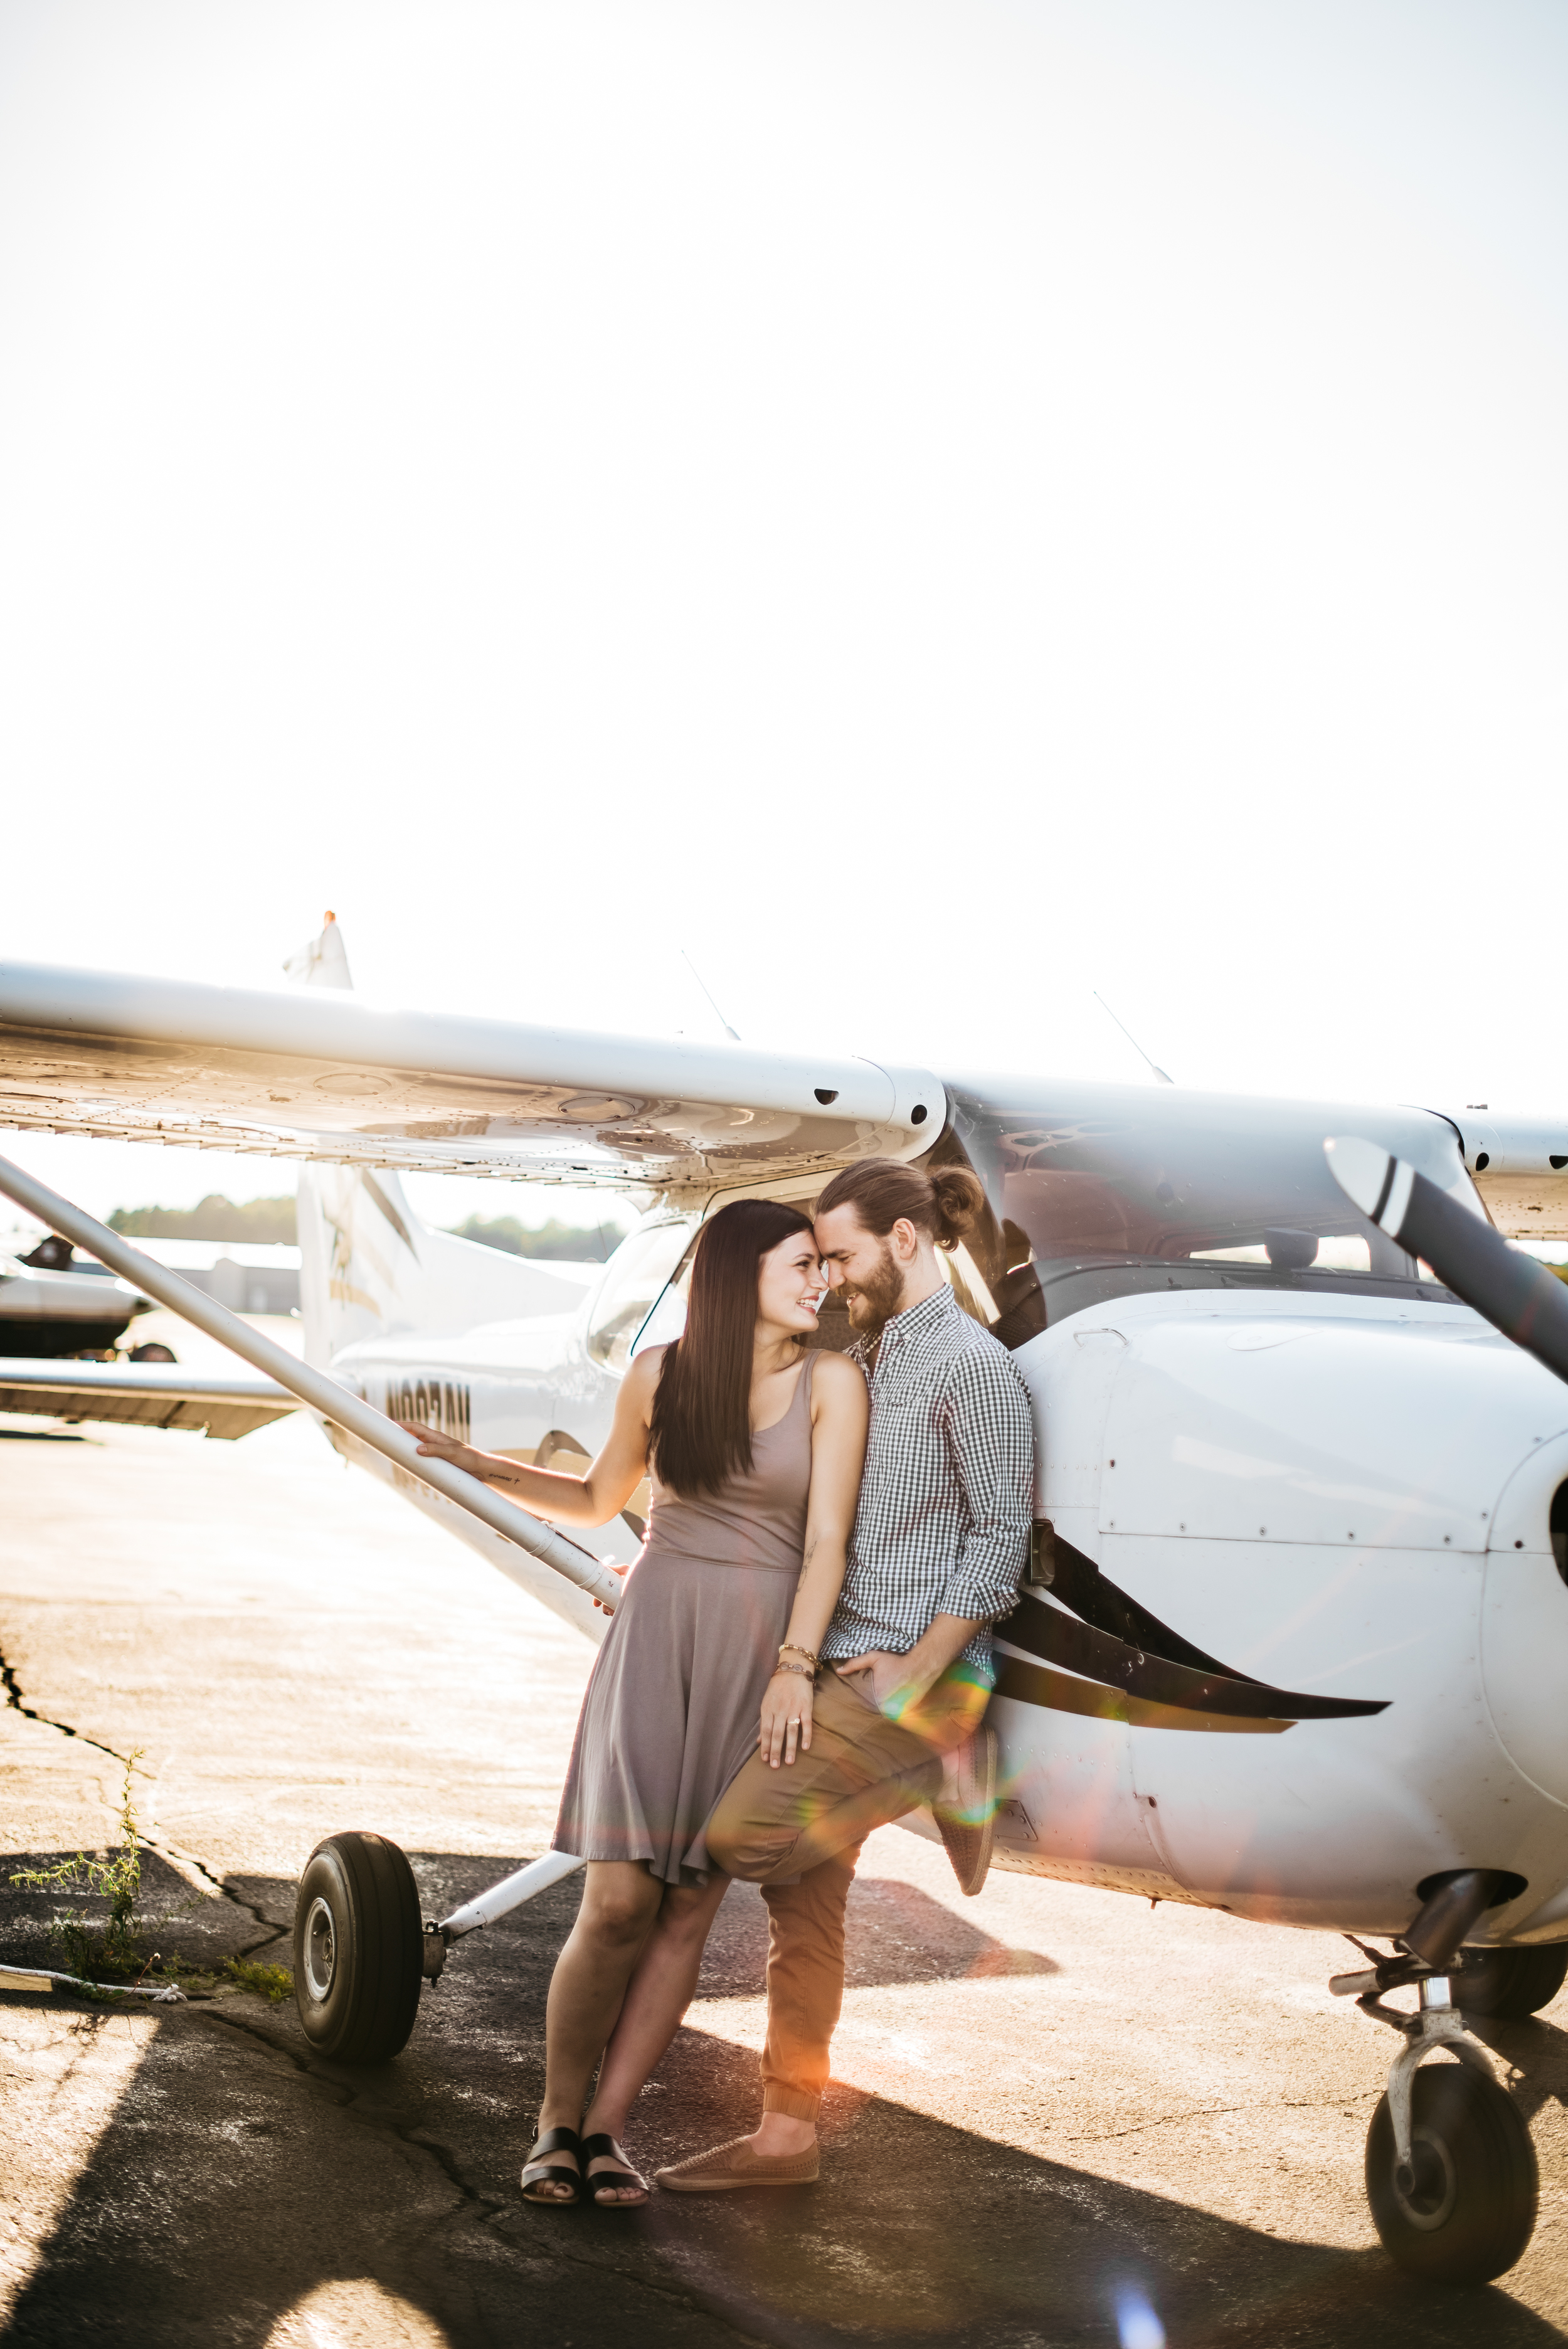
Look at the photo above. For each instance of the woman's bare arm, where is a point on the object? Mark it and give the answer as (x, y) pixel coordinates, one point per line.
(840, 1416)
(591, 1499)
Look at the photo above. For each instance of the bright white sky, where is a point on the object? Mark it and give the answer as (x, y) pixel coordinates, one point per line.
(931, 508)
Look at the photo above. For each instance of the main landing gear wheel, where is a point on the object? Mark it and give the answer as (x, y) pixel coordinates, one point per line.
(358, 1949)
(1466, 2208)
(1511, 1983)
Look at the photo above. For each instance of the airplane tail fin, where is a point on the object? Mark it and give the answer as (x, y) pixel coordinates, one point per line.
(362, 1273)
(322, 961)
(369, 1268)
(358, 1236)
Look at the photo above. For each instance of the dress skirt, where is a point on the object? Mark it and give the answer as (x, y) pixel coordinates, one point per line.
(671, 1711)
(670, 1708)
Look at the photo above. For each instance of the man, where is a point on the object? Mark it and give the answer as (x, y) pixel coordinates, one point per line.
(940, 1541)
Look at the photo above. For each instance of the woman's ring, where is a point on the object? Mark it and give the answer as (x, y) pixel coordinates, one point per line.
(791, 1724)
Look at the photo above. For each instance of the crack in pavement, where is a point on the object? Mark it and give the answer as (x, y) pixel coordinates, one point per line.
(1217, 2112)
(18, 1705)
(349, 2098)
(184, 1863)
(484, 2207)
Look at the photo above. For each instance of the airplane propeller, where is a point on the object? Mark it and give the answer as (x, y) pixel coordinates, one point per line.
(1508, 1288)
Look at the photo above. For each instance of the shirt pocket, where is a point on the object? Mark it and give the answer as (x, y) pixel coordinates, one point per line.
(902, 1401)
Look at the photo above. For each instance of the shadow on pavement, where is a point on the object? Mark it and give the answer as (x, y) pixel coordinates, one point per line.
(895, 1933)
(239, 2181)
(202, 1928)
(1537, 2051)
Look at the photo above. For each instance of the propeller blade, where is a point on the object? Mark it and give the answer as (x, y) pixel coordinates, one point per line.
(1512, 1292)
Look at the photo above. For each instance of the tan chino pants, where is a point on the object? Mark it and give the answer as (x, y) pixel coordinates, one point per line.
(796, 1831)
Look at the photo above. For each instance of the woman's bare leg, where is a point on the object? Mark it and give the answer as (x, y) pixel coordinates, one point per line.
(620, 1902)
(657, 1996)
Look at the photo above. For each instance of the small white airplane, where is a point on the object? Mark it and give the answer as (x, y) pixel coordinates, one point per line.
(1291, 1643)
(53, 1302)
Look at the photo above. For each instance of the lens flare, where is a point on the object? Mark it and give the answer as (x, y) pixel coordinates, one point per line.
(1137, 2324)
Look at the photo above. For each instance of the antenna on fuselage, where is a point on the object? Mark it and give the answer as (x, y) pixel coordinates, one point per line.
(1160, 1076)
(702, 984)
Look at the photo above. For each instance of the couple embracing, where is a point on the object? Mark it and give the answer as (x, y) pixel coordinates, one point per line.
(803, 1655)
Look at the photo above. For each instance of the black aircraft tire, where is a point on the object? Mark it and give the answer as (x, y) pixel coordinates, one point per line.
(1472, 2208)
(358, 1949)
(1511, 1983)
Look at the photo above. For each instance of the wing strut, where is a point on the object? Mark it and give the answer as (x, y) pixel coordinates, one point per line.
(312, 1387)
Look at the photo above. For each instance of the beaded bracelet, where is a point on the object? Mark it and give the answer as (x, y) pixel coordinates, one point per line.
(790, 1649)
(798, 1670)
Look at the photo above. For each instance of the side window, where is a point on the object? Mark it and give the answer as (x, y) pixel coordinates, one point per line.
(635, 1274)
(668, 1320)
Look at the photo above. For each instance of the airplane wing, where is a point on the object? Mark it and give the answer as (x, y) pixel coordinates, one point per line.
(147, 1394)
(319, 1074)
(1519, 1166)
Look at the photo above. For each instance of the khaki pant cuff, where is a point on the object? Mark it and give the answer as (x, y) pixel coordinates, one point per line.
(792, 2101)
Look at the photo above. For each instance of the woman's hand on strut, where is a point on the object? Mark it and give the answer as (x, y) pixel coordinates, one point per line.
(591, 1499)
(434, 1444)
(786, 1725)
(623, 1571)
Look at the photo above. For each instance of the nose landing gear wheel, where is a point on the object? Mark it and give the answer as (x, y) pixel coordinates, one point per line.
(1465, 2211)
(358, 1949)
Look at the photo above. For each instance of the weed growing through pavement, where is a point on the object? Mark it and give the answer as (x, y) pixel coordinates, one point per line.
(115, 1954)
(273, 1984)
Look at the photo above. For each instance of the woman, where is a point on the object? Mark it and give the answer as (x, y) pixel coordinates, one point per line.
(754, 1449)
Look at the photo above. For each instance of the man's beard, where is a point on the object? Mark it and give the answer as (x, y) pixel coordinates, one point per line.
(874, 1301)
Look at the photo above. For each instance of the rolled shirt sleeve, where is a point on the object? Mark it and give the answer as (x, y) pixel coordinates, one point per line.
(990, 1434)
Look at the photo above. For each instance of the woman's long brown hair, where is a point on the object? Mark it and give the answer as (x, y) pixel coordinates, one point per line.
(700, 1430)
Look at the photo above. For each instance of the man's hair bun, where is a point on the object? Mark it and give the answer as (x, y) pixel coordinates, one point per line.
(958, 1196)
(943, 1204)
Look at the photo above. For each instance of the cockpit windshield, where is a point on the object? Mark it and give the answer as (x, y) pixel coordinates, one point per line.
(1102, 1190)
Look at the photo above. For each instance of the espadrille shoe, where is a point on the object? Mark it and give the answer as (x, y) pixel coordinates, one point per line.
(965, 1808)
(729, 2166)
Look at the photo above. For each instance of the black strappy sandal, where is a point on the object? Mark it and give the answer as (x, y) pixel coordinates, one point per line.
(604, 2147)
(539, 2173)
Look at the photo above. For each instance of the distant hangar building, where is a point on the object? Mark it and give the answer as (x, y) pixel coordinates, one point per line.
(245, 1277)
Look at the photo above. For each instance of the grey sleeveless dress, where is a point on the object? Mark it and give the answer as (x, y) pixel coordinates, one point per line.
(670, 1711)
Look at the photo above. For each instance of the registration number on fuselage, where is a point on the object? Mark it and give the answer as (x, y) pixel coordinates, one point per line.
(431, 1402)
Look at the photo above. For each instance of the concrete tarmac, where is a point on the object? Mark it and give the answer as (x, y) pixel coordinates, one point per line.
(1053, 2108)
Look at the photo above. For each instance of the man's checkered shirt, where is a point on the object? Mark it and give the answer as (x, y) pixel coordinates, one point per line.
(943, 1525)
